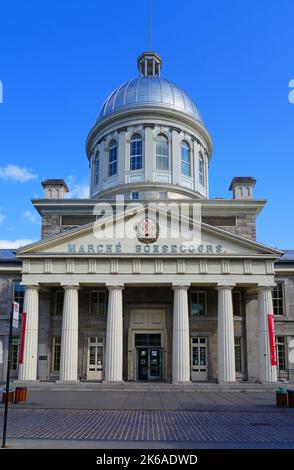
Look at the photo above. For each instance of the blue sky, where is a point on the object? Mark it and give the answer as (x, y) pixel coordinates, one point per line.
(60, 59)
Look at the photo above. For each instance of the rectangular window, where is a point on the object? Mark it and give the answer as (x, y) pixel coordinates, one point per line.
(281, 353)
(14, 353)
(96, 170)
(237, 303)
(98, 303)
(59, 299)
(18, 294)
(135, 195)
(238, 354)
(56, 353)
(198, 303)
(278, 299)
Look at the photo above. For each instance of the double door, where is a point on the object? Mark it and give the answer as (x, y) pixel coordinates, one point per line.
(149, 363)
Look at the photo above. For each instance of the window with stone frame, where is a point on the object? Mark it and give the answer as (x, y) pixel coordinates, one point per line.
(201, 173)
(136, 152)
(58, 302)
(278, 298)
(198, 304)
(162, 159)
(15, 353)
(238, 354)
(112, 158)
(237, 303)
(98, 303)
(18, 294)
(186, 169)
(56, 354)
(281, 350)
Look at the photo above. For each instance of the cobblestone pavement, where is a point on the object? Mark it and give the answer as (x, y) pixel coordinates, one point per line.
(152, 426)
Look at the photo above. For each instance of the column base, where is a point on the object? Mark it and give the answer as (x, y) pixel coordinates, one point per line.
(175, 382)
(110, 382)
(25, 382)
(67, 382)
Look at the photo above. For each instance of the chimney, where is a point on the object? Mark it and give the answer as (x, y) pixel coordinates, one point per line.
(242, 187)
(54, 188)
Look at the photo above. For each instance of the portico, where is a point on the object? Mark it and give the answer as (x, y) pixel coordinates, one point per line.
(145, 317)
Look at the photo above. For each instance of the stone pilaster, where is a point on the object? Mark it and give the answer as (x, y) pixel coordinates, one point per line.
(114, 336)
(181, 336)
(267, 372)
(225, 331)
(28, 369)
(69, 336)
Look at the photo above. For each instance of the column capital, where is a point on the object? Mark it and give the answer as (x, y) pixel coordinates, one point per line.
(115, 287)
(225, 287)
(30, 286)
(70, 286)
(264, 287)
(181, 286)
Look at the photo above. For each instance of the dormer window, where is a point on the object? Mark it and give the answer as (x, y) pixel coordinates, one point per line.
(136, 159)
(112, 161)
(185, 159)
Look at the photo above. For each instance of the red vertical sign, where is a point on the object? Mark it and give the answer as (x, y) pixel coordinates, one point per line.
(272, 339)
(23, 332)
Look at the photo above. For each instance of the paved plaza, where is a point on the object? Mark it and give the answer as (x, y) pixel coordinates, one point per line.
(77, 419)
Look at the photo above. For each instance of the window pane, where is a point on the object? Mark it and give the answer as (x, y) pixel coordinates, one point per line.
(238, 354)
(201, 170)
(112, 162)
(136, 152)
(185, 159)
(198, 304)
(278, 299)
(18, 294)
(162, 153)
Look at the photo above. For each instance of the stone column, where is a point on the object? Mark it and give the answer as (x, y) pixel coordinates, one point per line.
(267, 372)
(225, 331)
(181, 336)
(114, 336)
(69, 335)
(175, 157)
(28, 369)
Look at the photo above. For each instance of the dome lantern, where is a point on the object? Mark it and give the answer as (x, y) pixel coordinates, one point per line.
(149, 64)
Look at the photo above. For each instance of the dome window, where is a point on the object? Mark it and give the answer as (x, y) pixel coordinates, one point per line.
(162, 162)
(96, 169)
(112, 161)
(185, 159)
(201, 170)
(136, 159)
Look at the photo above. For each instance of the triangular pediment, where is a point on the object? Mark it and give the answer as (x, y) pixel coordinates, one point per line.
(137, 232)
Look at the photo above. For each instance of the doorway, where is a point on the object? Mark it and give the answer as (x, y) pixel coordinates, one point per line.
(199, 358)
(95, 358)
(149, 364)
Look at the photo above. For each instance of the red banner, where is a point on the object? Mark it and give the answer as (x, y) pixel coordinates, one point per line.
(23, 332)
(272, 339)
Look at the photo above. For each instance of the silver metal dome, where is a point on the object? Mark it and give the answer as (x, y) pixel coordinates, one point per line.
(149, 91)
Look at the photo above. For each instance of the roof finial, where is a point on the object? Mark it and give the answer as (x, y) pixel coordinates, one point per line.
(149, 25)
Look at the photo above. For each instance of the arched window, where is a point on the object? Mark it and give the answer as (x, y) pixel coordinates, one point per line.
(96, 168)
(201, 170)
(185, 159)
(136, 159)
(112, 161)
(161, 152)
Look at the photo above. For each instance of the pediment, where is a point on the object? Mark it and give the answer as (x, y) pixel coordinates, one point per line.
(170, 234)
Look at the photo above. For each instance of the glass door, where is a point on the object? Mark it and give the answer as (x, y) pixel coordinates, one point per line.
(154, 372)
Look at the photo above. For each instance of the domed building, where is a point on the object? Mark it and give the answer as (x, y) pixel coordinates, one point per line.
(149, 279)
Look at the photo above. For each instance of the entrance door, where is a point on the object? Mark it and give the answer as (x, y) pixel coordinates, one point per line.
(199, 358)
(149, 364)
(95, 358)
